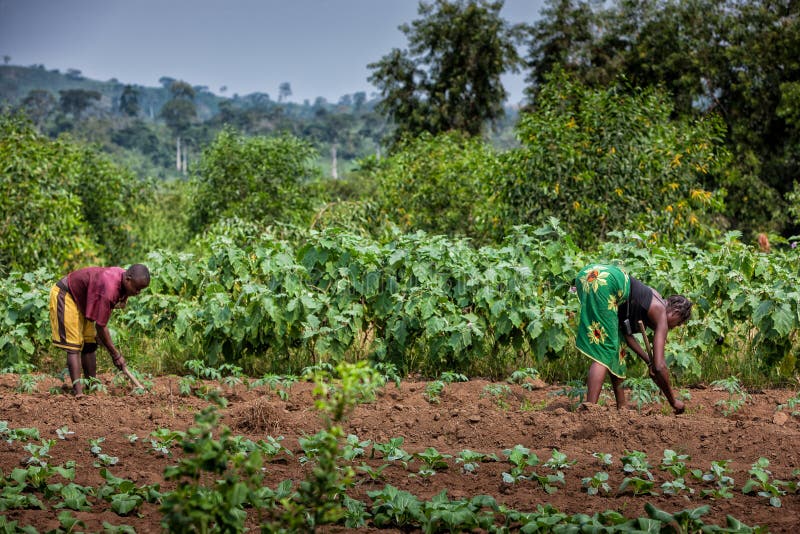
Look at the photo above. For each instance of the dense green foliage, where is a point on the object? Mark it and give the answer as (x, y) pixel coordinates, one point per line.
(737, 59)
(604, 160)
(430, 304)
(449, 78)
(63, 204)
(256, 178)
(439, 185)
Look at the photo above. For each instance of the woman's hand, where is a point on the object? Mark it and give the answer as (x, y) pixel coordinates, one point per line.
(678, 407)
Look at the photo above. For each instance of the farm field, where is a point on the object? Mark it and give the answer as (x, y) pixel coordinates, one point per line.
(477, 415)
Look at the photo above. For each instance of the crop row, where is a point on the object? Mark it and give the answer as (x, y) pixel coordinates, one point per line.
(237, 458)
(430, 303)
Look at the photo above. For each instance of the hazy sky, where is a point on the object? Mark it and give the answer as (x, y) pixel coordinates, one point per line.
(321, 47)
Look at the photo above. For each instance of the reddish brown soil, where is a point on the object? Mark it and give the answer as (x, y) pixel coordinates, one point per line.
(466, 418)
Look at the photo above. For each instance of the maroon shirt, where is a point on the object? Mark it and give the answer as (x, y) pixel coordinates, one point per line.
(96, 290)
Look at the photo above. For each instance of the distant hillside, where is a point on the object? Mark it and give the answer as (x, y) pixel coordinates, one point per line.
(16, 83)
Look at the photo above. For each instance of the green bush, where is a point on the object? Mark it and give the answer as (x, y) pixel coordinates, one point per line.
(63, 204)
(264, 179)
(602, 160)
(440, 185)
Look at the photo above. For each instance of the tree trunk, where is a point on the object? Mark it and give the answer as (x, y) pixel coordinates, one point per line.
(178, 153)
(334, 170)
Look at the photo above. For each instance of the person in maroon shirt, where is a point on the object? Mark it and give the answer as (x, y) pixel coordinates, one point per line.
(80, 307)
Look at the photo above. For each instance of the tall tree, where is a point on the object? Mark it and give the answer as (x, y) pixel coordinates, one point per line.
(735, 58)
(129, 101)
(449, 78)
(180, 113)
(38, 104)
(76, 101)
(284, 91)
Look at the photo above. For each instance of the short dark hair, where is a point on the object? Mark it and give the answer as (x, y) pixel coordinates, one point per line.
(140, 273)
(681, 306)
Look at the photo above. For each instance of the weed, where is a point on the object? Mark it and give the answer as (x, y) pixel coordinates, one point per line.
(500, 392)
(433, 391)
(575, 391)
(736, 395)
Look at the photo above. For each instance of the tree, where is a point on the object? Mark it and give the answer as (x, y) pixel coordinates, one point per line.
(449, 78)
(129, 101)
(38, 104)
(75, 101)
(260, 179)
(440, 184)
(284, 91)
(734, 58)
(180, 113)
(562, 38)
(611, 159)
(62, 204)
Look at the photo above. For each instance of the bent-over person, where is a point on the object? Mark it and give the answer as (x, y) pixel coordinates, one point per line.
(80, 307)
(612, 304)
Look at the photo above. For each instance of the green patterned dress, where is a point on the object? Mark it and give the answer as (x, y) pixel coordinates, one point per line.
(601, 288)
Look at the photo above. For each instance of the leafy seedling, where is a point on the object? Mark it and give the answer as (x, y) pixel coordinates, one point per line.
(760, 482)
(596, 483)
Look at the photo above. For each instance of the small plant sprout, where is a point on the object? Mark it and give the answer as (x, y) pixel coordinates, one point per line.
(643, 391)
(719, 474)
(28, 382)
(354, 448)
(558, 460)
(792, 404)
(674, 463)
(94, 445)
(450, 377)
(603, 458)
(132, 438)
(575, 391)
(375, 474)
(596, 483)
(433, 391)
(39, 453)
(520, 458)
(470, 460)
(675, 487)
(432, 461)
(524, 377)
(63, 432)
(635, 462)
(500, 392)
(760, 481)
(736, 395)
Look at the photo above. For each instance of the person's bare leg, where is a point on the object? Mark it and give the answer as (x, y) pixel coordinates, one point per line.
(74, 368)
(594, 382)
(89, 362)
(619, 393)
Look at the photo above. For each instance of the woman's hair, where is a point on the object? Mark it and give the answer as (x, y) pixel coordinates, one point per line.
(681, 306)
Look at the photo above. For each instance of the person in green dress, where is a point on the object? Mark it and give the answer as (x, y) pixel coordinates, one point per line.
(612, 304)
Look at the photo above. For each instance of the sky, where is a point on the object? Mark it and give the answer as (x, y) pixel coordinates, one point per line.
(321, 47)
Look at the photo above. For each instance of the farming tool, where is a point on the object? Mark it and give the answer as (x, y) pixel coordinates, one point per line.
(132, 378)
(648, 349)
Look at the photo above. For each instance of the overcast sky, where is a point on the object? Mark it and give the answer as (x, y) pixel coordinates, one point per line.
(321, 47)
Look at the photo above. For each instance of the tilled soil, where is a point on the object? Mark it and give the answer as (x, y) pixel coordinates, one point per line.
(467, 416)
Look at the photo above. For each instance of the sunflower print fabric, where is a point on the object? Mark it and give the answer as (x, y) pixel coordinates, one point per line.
(601, 289)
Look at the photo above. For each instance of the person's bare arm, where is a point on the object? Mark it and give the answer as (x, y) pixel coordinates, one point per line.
(658, 370)
(104, 337)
